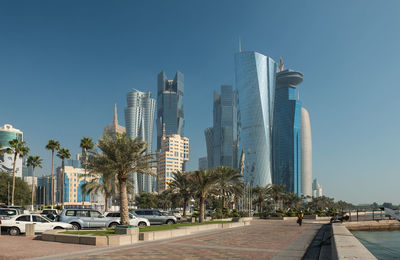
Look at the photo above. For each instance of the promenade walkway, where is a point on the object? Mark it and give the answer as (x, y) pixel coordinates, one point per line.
(263, 239)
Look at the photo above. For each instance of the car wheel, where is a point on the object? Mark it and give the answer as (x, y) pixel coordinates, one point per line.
(113, 225)
(14, 231)
(75, 226)
(170, 222)
(142, 224)
(58, 228)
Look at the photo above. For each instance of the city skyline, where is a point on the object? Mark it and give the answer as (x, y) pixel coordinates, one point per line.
(61, 79)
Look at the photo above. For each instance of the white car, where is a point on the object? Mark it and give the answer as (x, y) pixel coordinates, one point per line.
(133, 220)
(16, 224)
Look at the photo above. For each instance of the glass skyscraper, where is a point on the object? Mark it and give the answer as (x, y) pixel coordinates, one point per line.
(286, 142)
(139, 121)
(255, 82)
(170, 110)
(8, 133)
(222, 138)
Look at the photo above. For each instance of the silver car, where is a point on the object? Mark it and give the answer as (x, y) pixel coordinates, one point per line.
(85, 218)
(155, 216)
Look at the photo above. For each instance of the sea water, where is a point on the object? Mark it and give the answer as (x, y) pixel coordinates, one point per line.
(382, 244)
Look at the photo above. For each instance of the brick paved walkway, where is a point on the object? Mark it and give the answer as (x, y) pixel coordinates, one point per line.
(262, 240)
(23, 247)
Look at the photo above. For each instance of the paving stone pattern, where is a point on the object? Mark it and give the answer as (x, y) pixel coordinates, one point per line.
(261, 240)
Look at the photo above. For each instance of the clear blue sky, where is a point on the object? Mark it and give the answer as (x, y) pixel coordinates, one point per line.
(63, 65)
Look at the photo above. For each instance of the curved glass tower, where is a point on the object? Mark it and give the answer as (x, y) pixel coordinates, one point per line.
(286, 140)
(255, 82)
(139, 121)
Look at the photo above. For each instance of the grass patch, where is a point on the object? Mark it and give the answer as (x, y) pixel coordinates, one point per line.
(106, 232)
(174, 226)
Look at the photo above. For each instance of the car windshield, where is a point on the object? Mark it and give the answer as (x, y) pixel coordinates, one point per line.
(46, 218)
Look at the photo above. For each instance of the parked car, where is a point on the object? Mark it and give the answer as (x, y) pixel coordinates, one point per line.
(133, 220)
(7, 213)
(20, 209)
(154, 216)
(49, 213)
(175, 213)
(16, 224)
(85, 218)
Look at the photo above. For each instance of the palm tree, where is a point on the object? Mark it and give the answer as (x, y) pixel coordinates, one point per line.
(202, 183)
(86, 145)
(121, 156)
(63, 153)
(104, 183)
(260, 193)
(227, 178)
(34, 161)
(292, 200)
(18, 148)
(181, 184)
(275, 192)
(53, 146)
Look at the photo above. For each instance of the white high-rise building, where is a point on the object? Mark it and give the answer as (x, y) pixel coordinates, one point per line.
(8, 133)
(306, 154)
(139, 121)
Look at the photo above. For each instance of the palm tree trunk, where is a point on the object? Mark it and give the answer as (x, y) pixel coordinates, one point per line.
(13, 184)
(202, 199)
(260, 206)
(52, 179)
(84, 180)
(107, 197)
(123, 196)
(184, 207)
(33, 184)
(62, 184)
(223, 198)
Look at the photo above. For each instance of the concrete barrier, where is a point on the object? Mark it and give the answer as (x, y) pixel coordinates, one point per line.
(72, 239)
(93, 240)
(182, 231)
(346, 246)
(119, 240)
(29, 230)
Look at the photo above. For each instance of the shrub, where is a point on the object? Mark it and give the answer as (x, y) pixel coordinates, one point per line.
(291, 213)
(244, 214)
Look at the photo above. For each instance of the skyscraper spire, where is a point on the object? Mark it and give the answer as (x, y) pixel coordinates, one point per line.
(115, 121)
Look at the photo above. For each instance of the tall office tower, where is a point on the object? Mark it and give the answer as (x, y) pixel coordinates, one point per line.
(203, 163)
(306, 154)
(8, 133)
(222, 144)
(43, 191)
(170, 95)
(286, 132)
(209, 134)
(139, 121)
(255, 82)
(174, 153)
(114, 127)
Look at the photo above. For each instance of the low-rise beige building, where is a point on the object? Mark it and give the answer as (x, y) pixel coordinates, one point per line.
(74, 178)
(174, 153)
